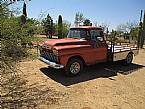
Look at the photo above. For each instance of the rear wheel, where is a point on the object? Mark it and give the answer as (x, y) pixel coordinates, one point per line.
(129, 59)
(74, 67)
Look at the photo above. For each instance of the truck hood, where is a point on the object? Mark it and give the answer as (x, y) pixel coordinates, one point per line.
(66, 41)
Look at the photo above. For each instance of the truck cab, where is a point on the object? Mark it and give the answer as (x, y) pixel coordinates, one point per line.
(84, 45)
(94, 37)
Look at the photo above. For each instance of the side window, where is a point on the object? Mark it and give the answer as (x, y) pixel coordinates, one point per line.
(96, 35)
(83, 33)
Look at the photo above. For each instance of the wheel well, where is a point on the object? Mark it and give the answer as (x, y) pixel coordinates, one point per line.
(78, 57)
(131, 53)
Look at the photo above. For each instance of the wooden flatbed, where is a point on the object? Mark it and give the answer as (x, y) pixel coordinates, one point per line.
(120, 52)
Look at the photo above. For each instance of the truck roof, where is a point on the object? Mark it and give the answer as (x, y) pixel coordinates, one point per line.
(88, 27)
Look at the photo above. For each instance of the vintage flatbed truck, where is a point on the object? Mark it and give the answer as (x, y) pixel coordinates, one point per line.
(84, 45)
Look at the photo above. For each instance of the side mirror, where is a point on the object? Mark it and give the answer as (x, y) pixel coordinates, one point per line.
(100, 38)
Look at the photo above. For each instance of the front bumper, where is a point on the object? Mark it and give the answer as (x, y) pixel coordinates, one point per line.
(51, 64)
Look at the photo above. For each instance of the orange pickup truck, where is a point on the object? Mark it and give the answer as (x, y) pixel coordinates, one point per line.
(84, 45)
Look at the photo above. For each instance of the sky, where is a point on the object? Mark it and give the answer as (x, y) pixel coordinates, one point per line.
(111, 12)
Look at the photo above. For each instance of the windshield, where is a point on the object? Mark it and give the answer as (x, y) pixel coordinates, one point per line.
(77, 33)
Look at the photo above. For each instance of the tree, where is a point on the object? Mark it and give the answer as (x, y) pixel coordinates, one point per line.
(12, 1)
(24, 16)
(87, 22)
(60, 27)
(66, 26)
(105, 26)
(134, 33)
(24, 10)
(12, 36)
(79, 18)
(48, 26)
(126, 29)
(51, 28)
(15, 93)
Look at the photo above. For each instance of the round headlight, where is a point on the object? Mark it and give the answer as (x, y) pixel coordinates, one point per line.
(55, 52)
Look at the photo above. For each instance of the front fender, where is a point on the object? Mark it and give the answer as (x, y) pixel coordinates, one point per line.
(64, 58)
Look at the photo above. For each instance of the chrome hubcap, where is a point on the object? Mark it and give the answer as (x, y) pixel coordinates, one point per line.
(75, 68)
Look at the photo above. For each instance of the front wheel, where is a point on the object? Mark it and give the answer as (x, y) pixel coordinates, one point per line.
(74, 67)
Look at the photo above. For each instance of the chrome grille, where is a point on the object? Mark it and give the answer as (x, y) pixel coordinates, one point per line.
(50, 57)
(48, 54)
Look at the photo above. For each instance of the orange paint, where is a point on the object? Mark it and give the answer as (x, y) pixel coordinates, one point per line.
(89, 50)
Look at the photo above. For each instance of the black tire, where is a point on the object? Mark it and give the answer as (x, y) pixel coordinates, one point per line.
(74, 67)
(129, 59)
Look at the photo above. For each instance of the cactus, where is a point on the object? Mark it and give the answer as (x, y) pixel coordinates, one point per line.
(143, 32)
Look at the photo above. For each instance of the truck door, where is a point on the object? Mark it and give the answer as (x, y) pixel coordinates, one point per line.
(99, 46)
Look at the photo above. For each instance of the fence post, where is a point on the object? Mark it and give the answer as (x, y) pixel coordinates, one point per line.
(143, 32)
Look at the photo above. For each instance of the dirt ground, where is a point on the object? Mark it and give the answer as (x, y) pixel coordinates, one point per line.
(100, 86)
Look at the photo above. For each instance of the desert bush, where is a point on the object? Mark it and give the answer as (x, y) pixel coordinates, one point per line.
(14, 35)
